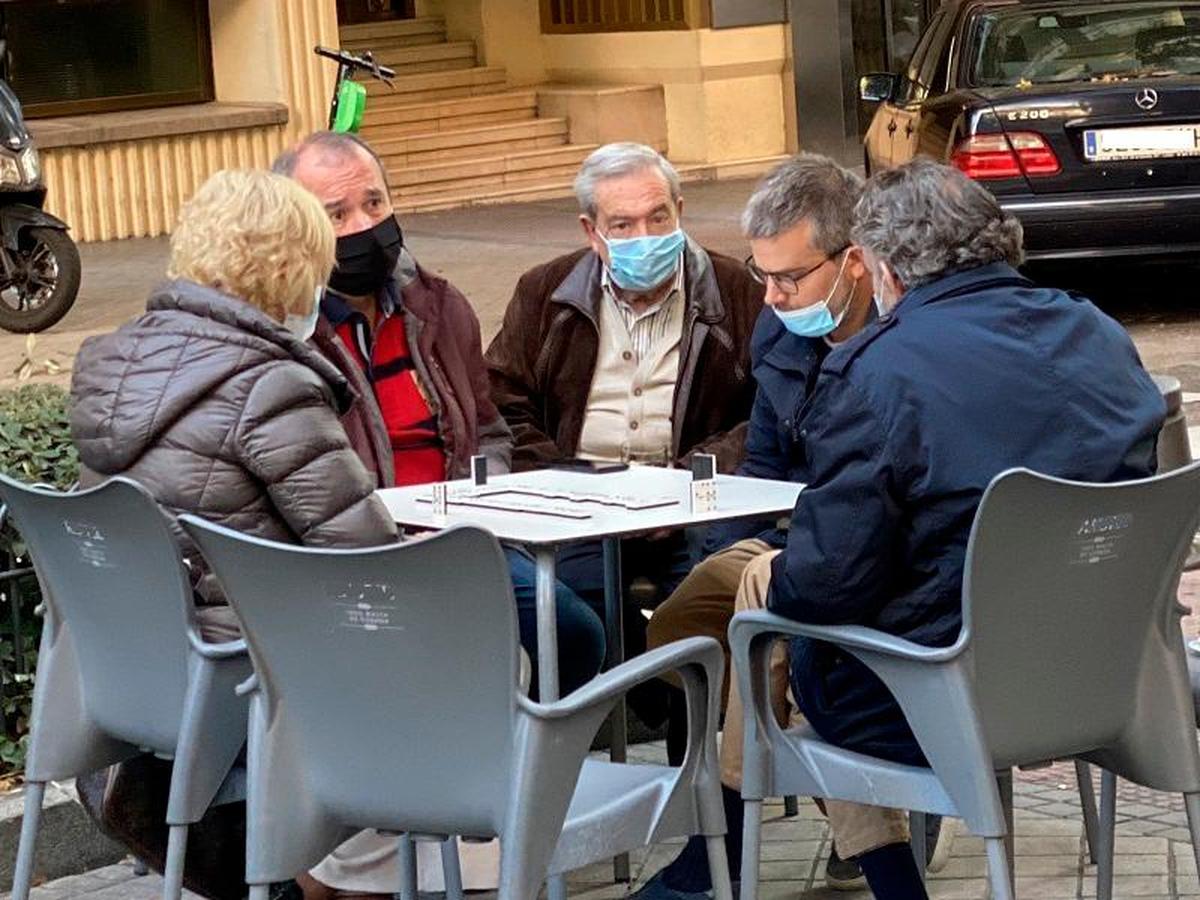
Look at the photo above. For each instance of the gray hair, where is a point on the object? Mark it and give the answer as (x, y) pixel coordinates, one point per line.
(806, 188)
(615, 161)
(926, 220)
(336, 144)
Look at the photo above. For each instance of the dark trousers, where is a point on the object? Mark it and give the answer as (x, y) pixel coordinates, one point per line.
(665, 562)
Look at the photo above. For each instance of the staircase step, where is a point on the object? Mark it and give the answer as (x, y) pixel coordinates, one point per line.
(550, 190)
(408, 89)
(448, 115)
(427, 58)
(471, 143)
(393, 29)
(553, 163)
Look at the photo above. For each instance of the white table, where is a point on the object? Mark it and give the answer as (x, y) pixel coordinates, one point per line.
(543, 532)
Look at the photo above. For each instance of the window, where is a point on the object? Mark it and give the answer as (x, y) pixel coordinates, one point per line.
(916, 81)
(84, 56)
(1085, 42)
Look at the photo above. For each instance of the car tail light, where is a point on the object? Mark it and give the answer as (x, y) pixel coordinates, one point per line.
(987, 156)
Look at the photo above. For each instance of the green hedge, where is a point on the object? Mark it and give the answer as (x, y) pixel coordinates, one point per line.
(35, 446)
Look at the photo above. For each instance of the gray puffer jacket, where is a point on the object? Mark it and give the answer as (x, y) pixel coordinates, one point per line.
(219, 411)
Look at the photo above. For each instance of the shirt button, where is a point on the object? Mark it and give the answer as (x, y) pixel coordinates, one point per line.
(627, 355)
(633, 426)
(637, 392)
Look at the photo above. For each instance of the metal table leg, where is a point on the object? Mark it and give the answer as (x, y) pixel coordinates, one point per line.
(547, 628)
(614, 623)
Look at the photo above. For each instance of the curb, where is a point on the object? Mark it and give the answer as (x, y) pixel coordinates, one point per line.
(68, 841)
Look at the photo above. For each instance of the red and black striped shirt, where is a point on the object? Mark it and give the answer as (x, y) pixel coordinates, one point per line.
(417, 452)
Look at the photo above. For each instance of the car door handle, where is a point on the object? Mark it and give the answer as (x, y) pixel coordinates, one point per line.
(892, 127)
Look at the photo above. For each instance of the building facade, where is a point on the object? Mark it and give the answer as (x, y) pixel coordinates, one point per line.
(133, 103)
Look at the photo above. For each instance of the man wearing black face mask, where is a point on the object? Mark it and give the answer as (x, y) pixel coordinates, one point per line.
(409, 343)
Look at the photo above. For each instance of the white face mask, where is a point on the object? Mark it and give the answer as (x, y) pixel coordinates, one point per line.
(304, 326)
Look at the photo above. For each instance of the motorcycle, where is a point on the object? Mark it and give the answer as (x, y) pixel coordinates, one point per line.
(349, 96)
(39, 263)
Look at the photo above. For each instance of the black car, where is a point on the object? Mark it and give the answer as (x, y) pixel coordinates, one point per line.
(1081, 116)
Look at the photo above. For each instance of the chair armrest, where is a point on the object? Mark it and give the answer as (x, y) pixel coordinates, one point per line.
(226, 650)
(750, 624)
(609, 686)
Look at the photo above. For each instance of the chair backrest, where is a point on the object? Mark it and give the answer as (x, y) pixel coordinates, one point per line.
(1069, 608)
(390, 672)
(114, 583)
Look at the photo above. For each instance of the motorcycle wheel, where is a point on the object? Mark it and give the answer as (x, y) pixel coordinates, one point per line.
(44, 282)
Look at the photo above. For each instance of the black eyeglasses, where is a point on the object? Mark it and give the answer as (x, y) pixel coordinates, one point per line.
(788, 282)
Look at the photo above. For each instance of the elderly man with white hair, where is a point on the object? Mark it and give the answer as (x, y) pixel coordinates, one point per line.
(635, 349)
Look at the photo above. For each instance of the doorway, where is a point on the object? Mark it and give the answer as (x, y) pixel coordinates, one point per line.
(356, 12)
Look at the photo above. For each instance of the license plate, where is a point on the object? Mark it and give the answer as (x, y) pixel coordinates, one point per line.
(1157, 142)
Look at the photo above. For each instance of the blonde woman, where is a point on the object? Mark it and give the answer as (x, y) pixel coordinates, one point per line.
(212, 399)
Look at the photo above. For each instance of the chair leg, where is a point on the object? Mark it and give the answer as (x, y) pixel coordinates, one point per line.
(1005, 785)
(556, 887)
(1107, 832)
(751, 837)
(916, 831)
(791, 806)
(35, 792)
(718, 866)
(408, 868)
(1191, 803)
(173, 869)
(1087, 799)
(999, 869)
(451, 870)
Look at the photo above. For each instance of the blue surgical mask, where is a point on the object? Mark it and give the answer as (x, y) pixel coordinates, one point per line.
(816, 320)
(643, 263)
(304, 326)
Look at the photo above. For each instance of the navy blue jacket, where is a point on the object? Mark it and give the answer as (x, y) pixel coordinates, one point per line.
(909, 421)
(785, 369)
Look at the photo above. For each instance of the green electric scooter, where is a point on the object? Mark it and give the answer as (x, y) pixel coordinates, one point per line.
(350, 96)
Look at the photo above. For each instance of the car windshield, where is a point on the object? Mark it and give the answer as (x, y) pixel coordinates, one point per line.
(1018, 46)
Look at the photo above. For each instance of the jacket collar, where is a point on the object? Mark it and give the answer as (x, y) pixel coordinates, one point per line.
(208, 303)
(961, 282)
(583, 290)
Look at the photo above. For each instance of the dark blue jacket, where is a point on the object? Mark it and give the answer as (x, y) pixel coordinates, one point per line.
(785, 369)
(909, 421)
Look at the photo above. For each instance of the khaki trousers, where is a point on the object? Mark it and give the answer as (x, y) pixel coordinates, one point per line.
(728, 582)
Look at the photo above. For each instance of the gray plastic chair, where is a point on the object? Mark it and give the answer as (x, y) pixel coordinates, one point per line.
(122, 669)
(1070, 648)
(386, 697)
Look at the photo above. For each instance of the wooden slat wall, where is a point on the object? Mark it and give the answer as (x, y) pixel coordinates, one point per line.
(590, 16)
(135, 188)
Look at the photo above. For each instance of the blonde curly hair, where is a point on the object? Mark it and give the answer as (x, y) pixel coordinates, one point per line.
(258, 236)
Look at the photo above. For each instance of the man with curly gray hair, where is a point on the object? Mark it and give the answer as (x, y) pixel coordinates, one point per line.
(971, 369)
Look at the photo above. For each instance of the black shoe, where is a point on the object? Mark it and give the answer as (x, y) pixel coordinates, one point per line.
(656, 889)
(843, 874)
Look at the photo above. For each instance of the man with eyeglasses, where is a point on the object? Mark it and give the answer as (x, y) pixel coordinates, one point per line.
(818, 294)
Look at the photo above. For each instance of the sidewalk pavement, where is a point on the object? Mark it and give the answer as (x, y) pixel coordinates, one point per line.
(1153, 857)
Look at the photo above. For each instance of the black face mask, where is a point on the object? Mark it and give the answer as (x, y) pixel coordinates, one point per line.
(366, 259)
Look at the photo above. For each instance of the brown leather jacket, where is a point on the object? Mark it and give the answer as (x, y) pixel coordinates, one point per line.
(445, 346)
(219, 411)
(542, 361)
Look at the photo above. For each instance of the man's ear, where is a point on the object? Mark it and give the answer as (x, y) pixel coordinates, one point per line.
(593, 237)
(856, 266)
